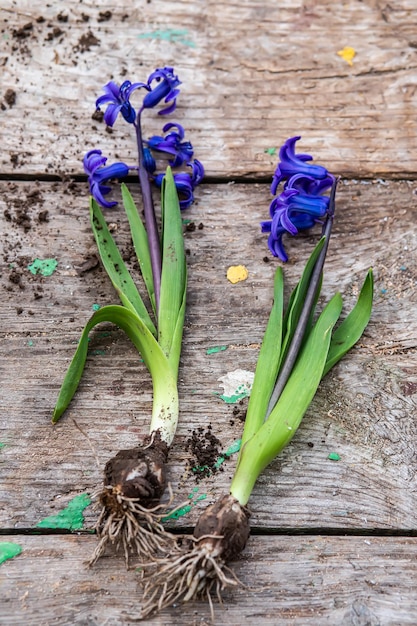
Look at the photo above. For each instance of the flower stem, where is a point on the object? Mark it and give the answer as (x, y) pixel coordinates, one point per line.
(150, 218)
(299, 332)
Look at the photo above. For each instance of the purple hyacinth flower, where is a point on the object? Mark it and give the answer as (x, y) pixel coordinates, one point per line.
(287, 205)
(99, 173)
(164, 89)
(309, 185)
(173, 144)
(291, 163)
(117, 99)
(301, 221)
(301, 204)
(185, 183)
(148, 161)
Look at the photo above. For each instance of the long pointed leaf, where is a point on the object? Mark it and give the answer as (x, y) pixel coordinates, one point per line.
(294, 401)
(297, 299)
(140, 242)
(116, 268)
(351, 329)
(176, 345)
(165, 403)
(173, 278)
(268, 362)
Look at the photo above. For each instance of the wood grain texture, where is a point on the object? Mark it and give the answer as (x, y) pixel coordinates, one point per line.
(248, 83)
(254, 73)
(364, 409)
(291, 581)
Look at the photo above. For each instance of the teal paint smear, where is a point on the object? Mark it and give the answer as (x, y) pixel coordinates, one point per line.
(178, 513)
(235, 447)
(187, 507)
(71, 517)
(173, 35)
(216, 349)
(270, 151)
(2, 445)
(95, 307)
(333, 456)
(191, 495)
(241, 392)
(9, 550)
(45, 267)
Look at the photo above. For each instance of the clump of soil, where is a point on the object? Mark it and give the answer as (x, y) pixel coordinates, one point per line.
(85, 42)
(10, 97)
(206, 450)
(239, 410)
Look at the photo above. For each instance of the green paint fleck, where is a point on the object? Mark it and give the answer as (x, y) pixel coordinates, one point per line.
(235, 447)
(2, 445)
(30, 342)
(173, 35)
(45, 267)
(200, 468)
(270, 151)
(178, 513)
(234, 398)
(97, 352)
(71, 517)
(333, 456)
(216, 349)
(186, 221)
(187, 507)
(191, 495)
(9, 550)
(95, 307)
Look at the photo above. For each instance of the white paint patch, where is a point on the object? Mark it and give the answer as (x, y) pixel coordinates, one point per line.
(236, 384)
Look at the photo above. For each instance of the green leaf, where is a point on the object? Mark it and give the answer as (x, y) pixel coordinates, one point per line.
(116, 268)
(297, 298)
(268, 362)
(140, 242)
(175, 352)
(351, 329)
(173, 276)
(294, 401)
(165, 403)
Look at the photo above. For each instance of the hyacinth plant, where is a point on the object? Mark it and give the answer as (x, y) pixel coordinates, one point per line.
(135, 479)
(298, 349)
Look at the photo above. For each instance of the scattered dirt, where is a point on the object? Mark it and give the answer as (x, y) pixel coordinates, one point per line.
(86, 41)
(104, 16)
(98, 115)
(239, 410)
(206, 448)
(10, 97)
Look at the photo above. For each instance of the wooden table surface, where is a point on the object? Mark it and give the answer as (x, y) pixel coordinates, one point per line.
(333, 542)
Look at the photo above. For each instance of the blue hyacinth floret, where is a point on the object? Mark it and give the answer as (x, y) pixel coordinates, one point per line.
(301, 203)
(161, 87)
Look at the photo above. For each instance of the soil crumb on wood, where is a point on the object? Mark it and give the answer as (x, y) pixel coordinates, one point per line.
(206, 450)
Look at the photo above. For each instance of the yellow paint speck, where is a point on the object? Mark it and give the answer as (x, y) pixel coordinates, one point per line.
(347, 54)
(237, 273)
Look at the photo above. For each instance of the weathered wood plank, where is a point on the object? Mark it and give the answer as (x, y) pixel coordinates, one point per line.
(249, 83)
(364, 410)
(297, 581)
